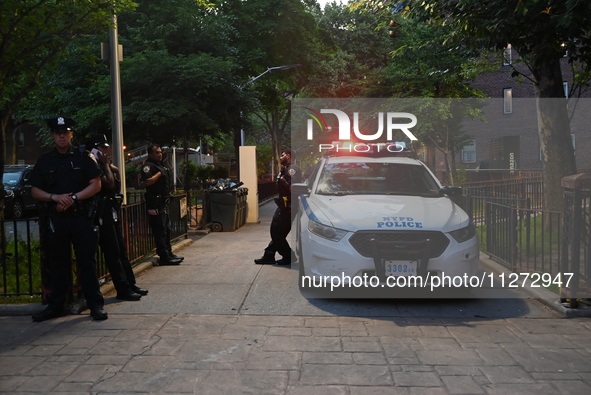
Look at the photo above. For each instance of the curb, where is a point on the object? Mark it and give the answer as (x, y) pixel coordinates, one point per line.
(542, 295)
(106, 289)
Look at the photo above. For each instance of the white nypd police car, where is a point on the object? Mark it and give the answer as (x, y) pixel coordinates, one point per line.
(380, 216)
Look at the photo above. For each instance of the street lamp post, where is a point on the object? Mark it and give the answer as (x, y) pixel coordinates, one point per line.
(116, 117)
(269, 69)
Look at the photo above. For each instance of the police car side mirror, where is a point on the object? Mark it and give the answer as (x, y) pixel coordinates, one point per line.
(451, 191)
(299, 188)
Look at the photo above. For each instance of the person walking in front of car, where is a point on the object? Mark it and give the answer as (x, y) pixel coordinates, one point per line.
(67, 178)
(120, 270)
(281, 223)
(156, 177)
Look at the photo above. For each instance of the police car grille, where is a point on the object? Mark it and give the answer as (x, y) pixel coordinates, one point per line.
(361, 240)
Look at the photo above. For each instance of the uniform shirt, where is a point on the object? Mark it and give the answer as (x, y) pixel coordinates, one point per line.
(64, 173)
(162, 185)
(286, 176)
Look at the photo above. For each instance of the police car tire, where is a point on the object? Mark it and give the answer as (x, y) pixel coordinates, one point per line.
(216, 227)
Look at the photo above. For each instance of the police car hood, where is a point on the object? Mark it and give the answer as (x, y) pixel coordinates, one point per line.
(366, 212)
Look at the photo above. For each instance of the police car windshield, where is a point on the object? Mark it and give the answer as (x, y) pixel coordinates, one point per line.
(361, 178)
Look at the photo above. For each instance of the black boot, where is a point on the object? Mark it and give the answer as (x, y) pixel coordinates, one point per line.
(48, 314)
(129, 295)
(98, 313)
(139, 290)
(267, 259)
(168, 261)
(173, 256)
(284, 261)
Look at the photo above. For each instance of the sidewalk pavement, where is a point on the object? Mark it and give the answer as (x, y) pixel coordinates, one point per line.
(219, 324)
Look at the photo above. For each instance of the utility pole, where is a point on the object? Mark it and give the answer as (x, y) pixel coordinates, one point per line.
(116, 108)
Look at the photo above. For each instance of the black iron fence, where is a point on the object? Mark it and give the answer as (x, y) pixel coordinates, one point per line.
(21, 264)
(516, 231)
(575, 256)
(513, 227)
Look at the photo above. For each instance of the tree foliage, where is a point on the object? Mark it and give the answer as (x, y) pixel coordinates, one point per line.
(540, 31)
(34, 36)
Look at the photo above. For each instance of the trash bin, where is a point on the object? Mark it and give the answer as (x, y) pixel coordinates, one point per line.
(223, 210)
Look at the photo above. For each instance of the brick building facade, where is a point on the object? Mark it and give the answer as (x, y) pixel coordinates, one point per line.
(509, 140)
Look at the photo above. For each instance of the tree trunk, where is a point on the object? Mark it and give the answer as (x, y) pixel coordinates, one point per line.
(554, 132)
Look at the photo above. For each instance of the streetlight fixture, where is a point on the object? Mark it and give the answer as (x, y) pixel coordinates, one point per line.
(285, 67)
(289, 66)
(269, 69)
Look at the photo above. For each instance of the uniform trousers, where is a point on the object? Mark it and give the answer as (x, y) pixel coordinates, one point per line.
(280, 228)
(160, 225)
(123, 256)
(83, 236)
(110, 247)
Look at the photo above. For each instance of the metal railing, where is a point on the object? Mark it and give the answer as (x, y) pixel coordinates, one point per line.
(514, 228)
(576, 243)
(21, 270)
(524, 240)
(21, 265)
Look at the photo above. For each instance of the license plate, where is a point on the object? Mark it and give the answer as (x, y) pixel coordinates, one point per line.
(400, 268)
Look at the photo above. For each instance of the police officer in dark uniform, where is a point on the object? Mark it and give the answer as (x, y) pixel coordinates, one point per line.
(66, 180)
(156, 177)
(281, 223)
(120, 270)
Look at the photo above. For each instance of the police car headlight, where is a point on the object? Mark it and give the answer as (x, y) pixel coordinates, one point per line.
(464, 234)
(326, 232)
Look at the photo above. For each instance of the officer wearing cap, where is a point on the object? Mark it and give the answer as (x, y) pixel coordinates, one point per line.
(108, 220)
(158, 182)
(66, 180)
(281, 223)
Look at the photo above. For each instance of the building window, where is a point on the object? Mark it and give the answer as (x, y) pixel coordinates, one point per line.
(565, 86)
(21, 139)
(507, 56)
(508, 101)
(469, 152)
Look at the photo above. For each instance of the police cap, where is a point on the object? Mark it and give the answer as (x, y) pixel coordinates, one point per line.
(61, 124)
(99, 140)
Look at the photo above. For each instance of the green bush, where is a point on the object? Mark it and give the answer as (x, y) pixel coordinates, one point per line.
(191, 173)
(132, 174)
(20, 270)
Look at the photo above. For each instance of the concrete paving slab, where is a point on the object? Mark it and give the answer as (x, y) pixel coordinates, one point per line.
(220, 324)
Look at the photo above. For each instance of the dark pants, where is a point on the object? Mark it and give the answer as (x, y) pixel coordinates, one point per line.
(280, 227)
(111, 249)
(160, 224)
(83, 235)
(123, 256)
